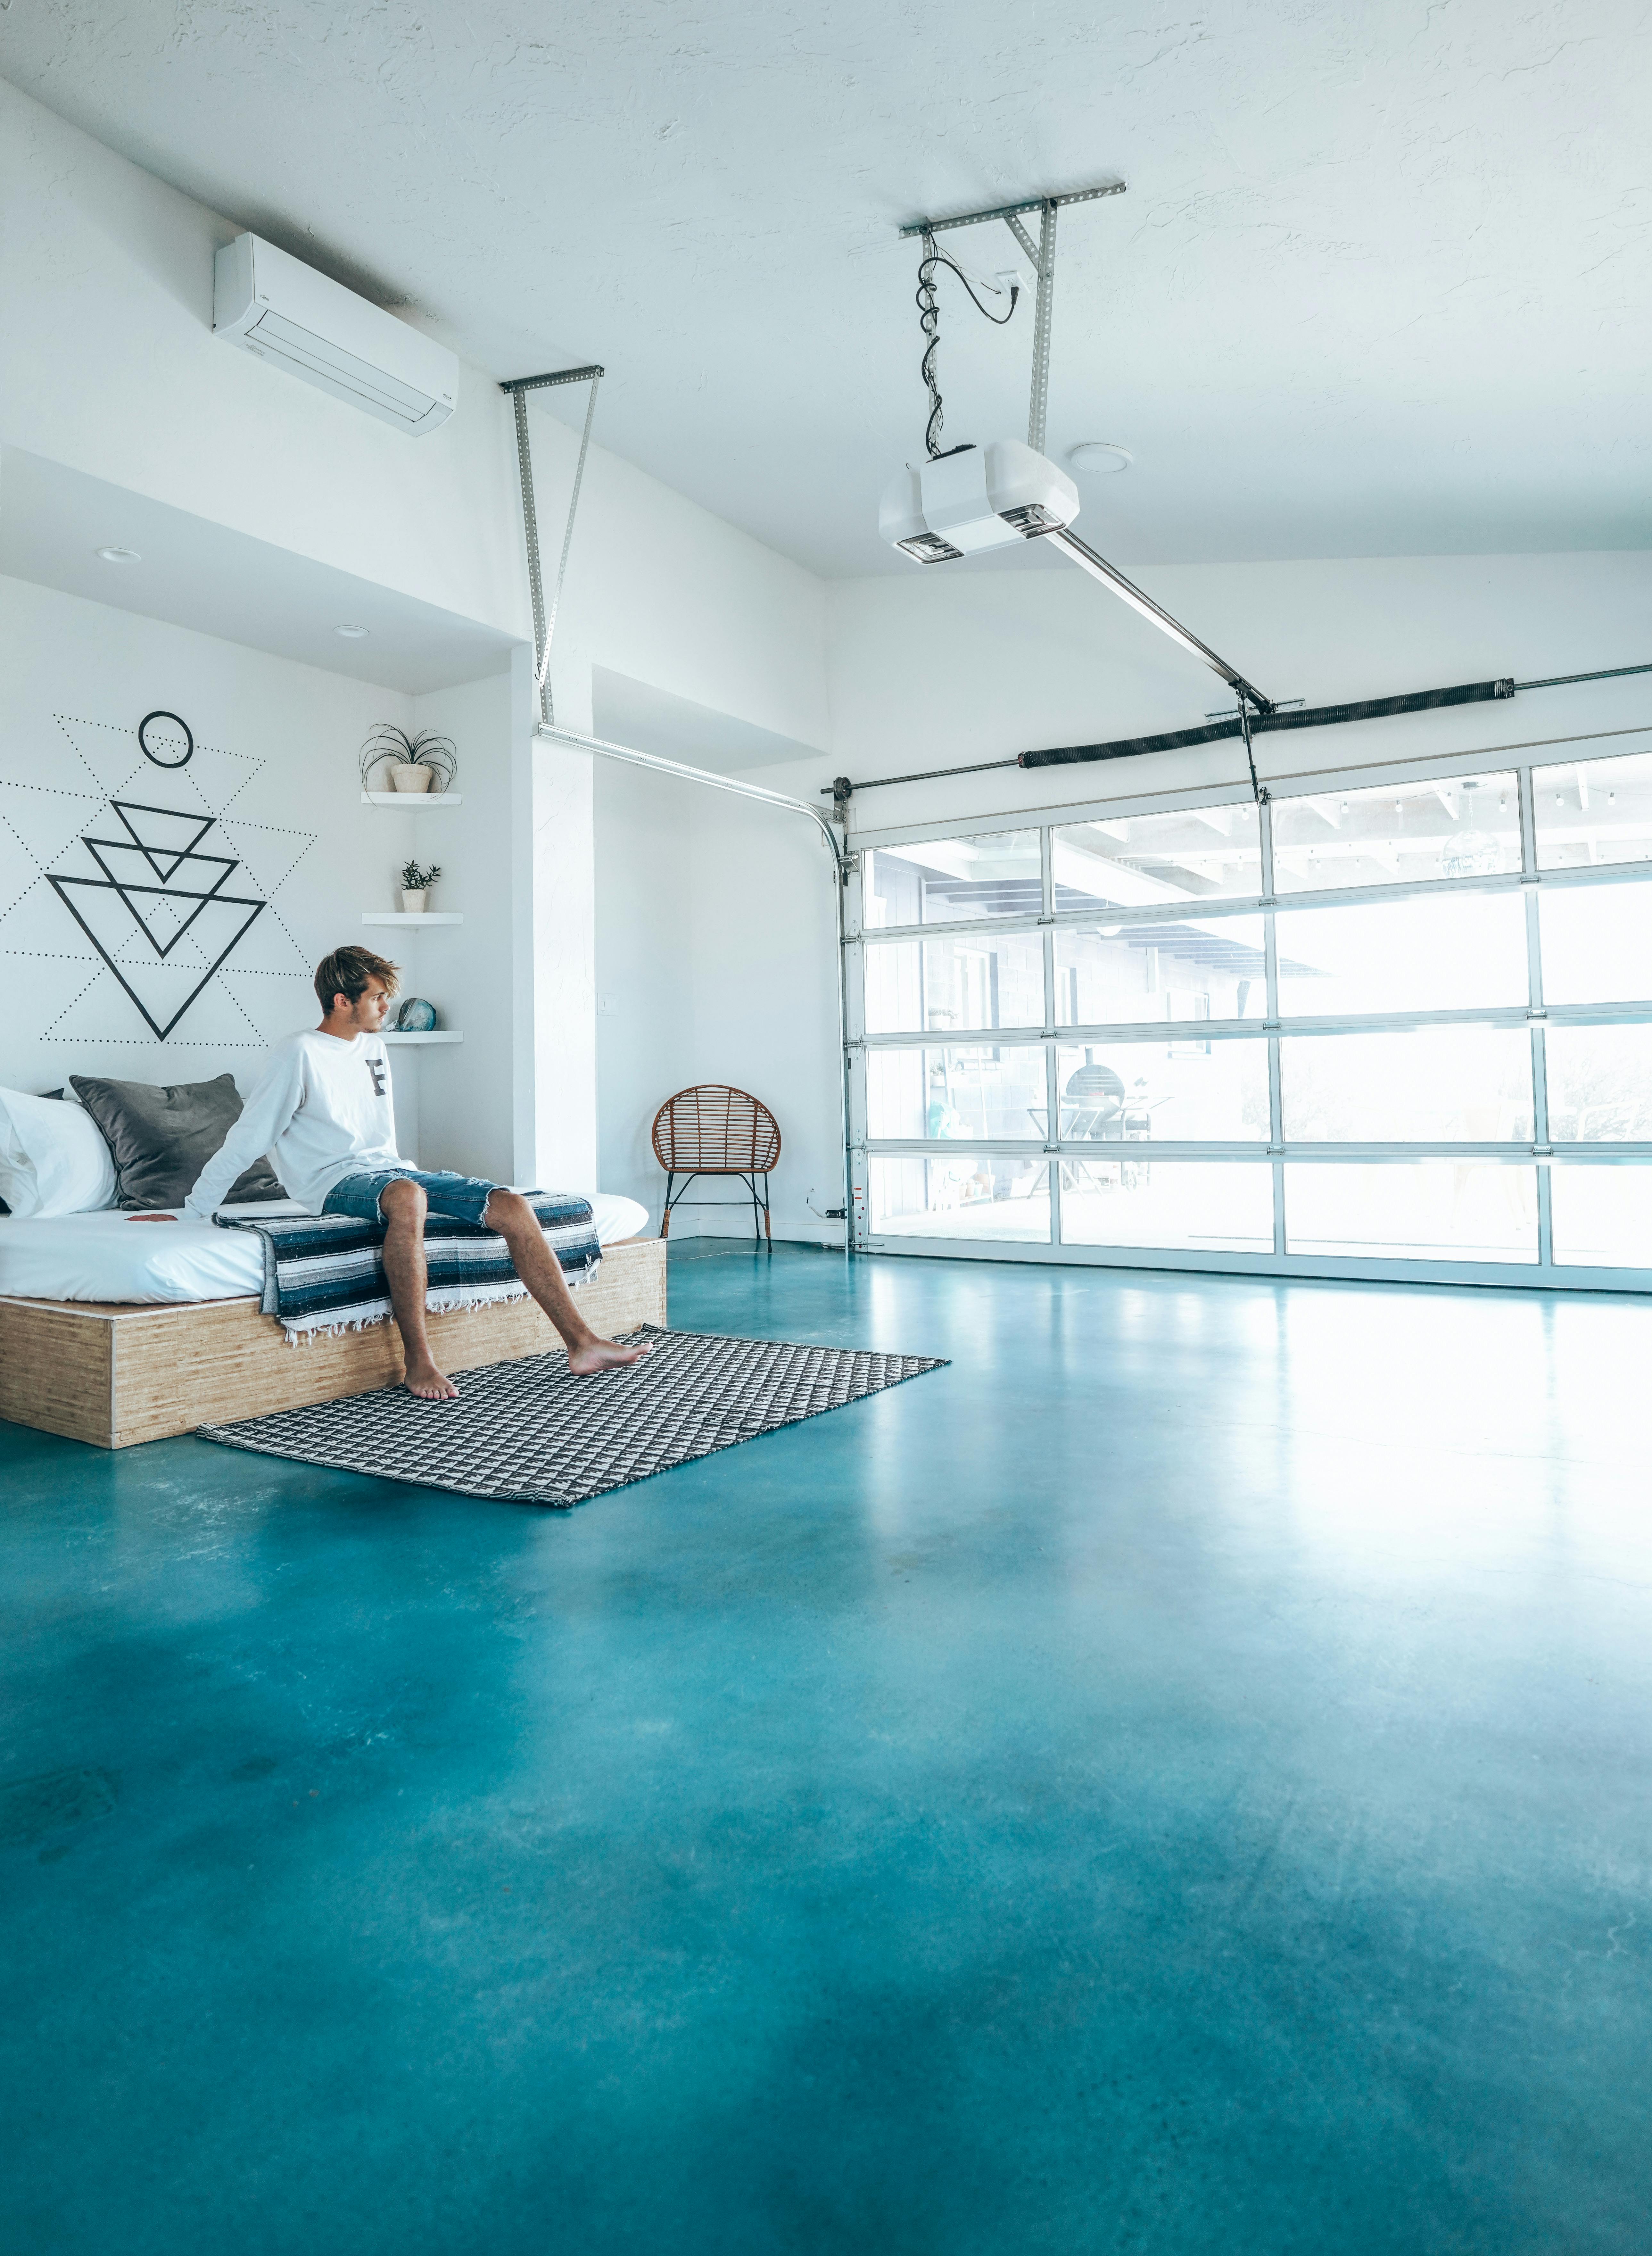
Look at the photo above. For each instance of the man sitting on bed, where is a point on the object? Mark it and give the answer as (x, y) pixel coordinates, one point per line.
(322, 1112)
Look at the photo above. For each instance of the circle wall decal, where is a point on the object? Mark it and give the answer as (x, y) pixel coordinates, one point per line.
(143, 743)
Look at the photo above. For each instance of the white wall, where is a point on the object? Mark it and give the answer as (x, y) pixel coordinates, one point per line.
(107, 364)
(274, 765)
(716, 962)
(926, 672)
(708, 966)
(714, 951)
(465, 1091)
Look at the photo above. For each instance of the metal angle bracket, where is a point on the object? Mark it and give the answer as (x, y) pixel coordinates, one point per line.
(1042, 256)
(1014, 211)
(556, 376)
(518, 387)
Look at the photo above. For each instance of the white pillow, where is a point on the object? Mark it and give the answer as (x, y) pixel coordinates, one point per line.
(52, 1157)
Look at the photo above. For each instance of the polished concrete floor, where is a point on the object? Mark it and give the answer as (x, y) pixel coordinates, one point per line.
(1175, 1781)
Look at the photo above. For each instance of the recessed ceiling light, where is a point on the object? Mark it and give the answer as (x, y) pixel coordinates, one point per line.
(120, 555)
(350, 634)
(1097, 458)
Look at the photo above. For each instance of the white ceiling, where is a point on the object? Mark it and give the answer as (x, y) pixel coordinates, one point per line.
(199, 574)
(1379, 283)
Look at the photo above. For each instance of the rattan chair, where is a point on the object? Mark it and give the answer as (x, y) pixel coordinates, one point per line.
(713, 1130)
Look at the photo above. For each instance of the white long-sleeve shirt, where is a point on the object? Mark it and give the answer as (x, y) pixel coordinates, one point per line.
(322, 1111)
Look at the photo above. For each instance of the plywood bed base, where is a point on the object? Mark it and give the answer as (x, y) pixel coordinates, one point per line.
(113, 1375)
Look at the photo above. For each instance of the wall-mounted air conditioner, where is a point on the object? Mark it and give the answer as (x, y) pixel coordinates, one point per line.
(273, 305)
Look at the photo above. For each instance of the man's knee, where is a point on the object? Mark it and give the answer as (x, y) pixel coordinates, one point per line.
(504, 1208)
(404, 1203)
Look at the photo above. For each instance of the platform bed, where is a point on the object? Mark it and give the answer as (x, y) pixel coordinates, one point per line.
(116, 1374)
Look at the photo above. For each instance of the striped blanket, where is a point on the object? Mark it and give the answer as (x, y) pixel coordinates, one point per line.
(324, 1272)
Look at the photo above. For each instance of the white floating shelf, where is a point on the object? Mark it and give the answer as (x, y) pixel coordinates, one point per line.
(412, 799)
(407, 1040)
(411, 916)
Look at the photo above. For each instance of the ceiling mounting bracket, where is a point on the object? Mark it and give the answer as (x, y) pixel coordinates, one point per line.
(1041, 257)
(1043, 266)
(544, 629)
(1014, 210)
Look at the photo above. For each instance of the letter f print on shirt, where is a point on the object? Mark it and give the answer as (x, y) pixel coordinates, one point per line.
(375, 1066)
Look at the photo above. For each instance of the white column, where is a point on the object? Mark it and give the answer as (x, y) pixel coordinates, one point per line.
(561, 988)
(520, 875)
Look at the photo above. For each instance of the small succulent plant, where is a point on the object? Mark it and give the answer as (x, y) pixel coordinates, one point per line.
(416, 876)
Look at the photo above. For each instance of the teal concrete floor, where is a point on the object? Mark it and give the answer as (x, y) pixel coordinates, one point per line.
(1177, 1781)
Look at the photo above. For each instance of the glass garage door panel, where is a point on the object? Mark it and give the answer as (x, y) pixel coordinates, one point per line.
(961, 1194)
(1599, 1084)
(1458, 827)
(1185, 1092)
(990, 1095)
(1439, 1084)
(935, 986)
(997, 874)
(1453, 952)
(1422, 1210)
(1150, 989)
(1123, 975)
(1177, 1205)
(1602, 1216)
(1593, 811)
(1132, 861)
(1597, 943)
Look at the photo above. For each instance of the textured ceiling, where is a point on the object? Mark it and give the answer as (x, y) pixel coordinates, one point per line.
(1379, 283)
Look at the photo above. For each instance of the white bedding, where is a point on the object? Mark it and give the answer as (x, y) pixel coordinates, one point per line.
(109, 1257)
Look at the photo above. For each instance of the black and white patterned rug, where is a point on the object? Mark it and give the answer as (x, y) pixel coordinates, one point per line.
(529, 1432)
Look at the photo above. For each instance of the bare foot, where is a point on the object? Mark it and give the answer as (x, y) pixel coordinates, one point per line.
(601, 1354)
(429, 1384)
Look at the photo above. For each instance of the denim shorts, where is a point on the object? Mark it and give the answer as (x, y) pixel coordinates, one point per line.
(463, 1197)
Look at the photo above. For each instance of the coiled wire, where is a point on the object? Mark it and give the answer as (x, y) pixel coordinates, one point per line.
(929, 320)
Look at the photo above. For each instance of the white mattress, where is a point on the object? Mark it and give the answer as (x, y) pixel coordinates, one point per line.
(109, 1256)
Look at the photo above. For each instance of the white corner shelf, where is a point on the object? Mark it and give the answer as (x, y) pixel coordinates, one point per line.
(412, 799)
(412, 916)
(408, 1040)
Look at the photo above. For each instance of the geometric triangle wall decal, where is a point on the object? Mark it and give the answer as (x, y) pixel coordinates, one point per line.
(170, 843)
(126, 868)
(163, 840)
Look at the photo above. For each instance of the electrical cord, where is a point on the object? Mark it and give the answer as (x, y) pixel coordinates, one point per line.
(929, 320)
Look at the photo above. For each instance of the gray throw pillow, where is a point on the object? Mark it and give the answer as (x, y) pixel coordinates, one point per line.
(161, 1139)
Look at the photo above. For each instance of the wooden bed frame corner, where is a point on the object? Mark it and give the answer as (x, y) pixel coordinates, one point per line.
(115, 1373)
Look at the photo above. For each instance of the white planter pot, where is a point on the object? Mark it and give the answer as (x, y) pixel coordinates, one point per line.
(413, 904)
(408, 775)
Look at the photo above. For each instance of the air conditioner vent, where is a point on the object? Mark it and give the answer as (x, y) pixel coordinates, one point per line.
(291, 318)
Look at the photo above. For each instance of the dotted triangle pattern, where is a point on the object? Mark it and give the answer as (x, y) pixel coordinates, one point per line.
(140, 947)
(531, 1432)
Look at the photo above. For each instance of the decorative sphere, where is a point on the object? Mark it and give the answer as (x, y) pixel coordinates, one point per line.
(416, 1016)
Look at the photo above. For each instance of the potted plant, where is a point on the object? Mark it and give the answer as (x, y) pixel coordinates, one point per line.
(426, 761)
(416, 882)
